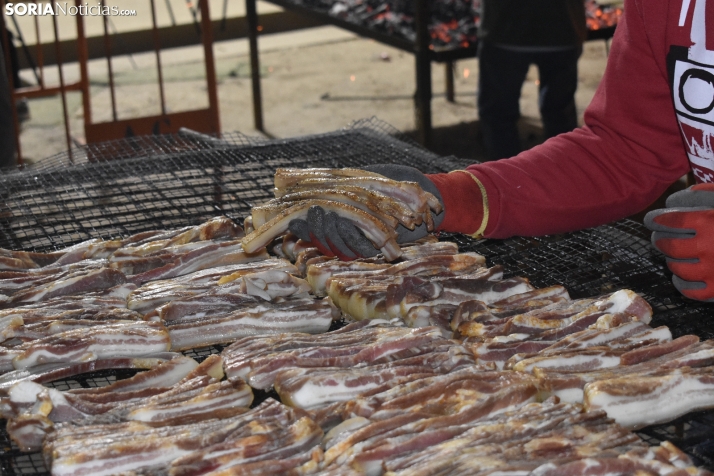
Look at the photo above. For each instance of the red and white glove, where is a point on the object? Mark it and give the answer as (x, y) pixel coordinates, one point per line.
(684, 232)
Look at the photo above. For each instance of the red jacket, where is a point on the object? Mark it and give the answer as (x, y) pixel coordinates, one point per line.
(631, 147)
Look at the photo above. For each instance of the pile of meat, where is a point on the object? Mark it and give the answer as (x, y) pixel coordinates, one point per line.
(370, 201)
(441, 366)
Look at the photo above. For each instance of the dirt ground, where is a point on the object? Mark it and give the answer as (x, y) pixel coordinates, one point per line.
(313, 81)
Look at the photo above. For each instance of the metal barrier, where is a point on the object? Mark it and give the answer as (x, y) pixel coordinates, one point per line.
(202, 120)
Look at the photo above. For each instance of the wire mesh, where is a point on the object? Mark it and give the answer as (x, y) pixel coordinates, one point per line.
(167, 182)
(174, 182)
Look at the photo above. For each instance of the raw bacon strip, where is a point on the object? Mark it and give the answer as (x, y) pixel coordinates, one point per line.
(367, 448)
(408, 192)
(595, 358)
(210, 256)
(362, 300)
(319, 273)
(65, 323)
(76, 283)
(329, 416)
(643, 353)
(512, 305)
(288, 176)
(265, 369)
(241, 293)
(16, 260)
(558, 320)
(439, 265)
(89, 250)
(14, 282)
(484, 325)
(163, 375)
(217, 228)
(99, 342)
(291, 246)
(569, 386)
(435, 395)
(143, 244)
(491, 434)
(9, 327)
(153, 294)
(481, 287)
(51, 372)
(75, 253)
(614, 465)
(367, 200)
(307, 257)
(614, 337)
(7, 355)
(372, 288)
(635, 401)
(437, 315)
(381, 294)
(196, 397)
(211, 304)
(257, 267)
(312, 388)
(240, 355)
(217, 400)
(382, 208)
(273, 284)
(300, 436)
(623, 302)
(139, 264)
(299, 315)
(425, 250)
(135, 447)
(498, 351)
(89, 302)
(306, 462)
(191, 400)
(38, 317)
(515, 451)
(518, 442)
(601, 357)
(383, 237)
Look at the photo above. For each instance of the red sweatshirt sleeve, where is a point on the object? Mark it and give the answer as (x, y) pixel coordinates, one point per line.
(626, 155)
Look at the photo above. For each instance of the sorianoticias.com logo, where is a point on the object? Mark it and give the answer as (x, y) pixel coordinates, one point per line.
(63, 8)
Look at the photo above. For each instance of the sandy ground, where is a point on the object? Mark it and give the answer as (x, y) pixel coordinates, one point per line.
(313, 81)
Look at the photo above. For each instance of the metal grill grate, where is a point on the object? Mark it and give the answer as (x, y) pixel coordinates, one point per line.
(174, 181)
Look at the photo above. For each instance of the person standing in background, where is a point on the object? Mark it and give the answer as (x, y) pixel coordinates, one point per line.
(514, 34)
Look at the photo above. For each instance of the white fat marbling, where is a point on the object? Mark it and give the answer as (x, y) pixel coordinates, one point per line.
(576, 360)
(675, 395)
(311, 395)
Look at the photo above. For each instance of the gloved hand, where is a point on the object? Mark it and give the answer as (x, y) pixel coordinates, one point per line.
(334, 235)
(684, 232)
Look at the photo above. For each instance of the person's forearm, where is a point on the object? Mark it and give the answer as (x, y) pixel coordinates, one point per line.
(627, 154)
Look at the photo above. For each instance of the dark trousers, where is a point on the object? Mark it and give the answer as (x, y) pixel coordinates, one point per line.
(501, 75)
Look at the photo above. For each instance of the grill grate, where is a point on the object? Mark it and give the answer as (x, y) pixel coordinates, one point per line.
(172, 181)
